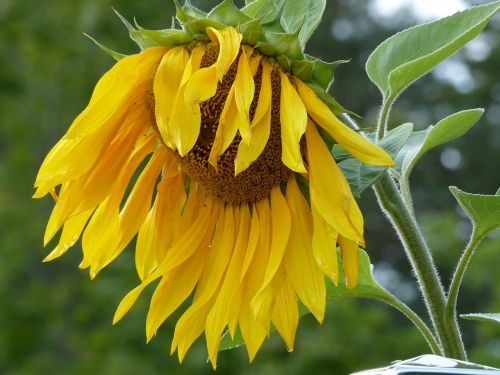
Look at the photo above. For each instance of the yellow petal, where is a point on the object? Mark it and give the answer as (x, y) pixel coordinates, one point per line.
(265, 94)
(307, 279)
(174, 289)
(218, 317)
(129, 78)
(253, 240)
(247, 154)
(281, 224)
(229, 41)
(352, 141)
(165, 86)
(201, 86)
(286, 314)
(350, 250)
(193, 63)
(70, 234)
(293, 118)
(229, 121)
(330, 193)
(324, 243)
(243, 94)
(185, 124)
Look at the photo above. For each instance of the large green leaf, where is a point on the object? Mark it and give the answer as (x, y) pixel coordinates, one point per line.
(304, 15)
(483, 210)
(361, 176)
(366, 287)
(446, 130)
(408, 55)
(492, 317)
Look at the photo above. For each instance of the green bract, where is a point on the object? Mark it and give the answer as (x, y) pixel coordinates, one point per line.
(274, 27)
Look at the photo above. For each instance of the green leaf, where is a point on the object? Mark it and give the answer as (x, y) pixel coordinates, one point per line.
(408, 55)
(483, 210)
(228, 14)
(142, 41)
(492, 317)
(116, 55)
(361, 176)
(334, 106)
(446, 130)
(367, 287)
(266, 10)
(303, 15)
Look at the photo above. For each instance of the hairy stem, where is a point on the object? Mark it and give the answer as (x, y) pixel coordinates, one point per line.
(422, 264)
(451, 304)
(416, 320)
(383, 118)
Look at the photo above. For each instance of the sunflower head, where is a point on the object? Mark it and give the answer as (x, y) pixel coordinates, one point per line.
(238, 201)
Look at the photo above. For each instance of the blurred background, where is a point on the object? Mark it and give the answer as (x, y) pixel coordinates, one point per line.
(53, 319)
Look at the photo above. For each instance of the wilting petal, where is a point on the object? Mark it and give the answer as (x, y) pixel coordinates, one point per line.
(281, 224)
(293, 118)
(286, 314)
(350, 251)
(324, 243)
(229, 41)
(201, 86)
(129, 78)
(353, 142)
(185, 125)
(307, 279)
(218, 316)
(166, 84)
(243, 94)
(330, 192)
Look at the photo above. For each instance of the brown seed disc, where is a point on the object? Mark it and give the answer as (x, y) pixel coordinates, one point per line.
(259, 178)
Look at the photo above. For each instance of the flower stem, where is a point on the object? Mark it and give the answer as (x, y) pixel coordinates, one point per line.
(416, 320)
(451, 304)
(422, 263)
(383, 118)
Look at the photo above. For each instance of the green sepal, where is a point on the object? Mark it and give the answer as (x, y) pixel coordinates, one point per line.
(316, 71)
(187, 12)
(266, 10)
(115, 55)
(228, 14)
(286, 44)
(199, 26)
(252, 32)
(135, 35)
(166, 37)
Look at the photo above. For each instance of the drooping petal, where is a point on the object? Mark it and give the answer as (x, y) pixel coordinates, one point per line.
(350, 251)
(229, 122)
(165, 86)
(330, 193)
(293, 118)
(218, 316)
(70, 234)
(244, 89)
(129, 78)
(261, 125)
(352, 141)
(324, 244)
(201, 86)
(185, 124)
(304, 275)
(229, 41)
(286, 314)
(281, 224)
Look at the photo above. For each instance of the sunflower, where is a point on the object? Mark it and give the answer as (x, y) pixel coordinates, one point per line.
(210, 151)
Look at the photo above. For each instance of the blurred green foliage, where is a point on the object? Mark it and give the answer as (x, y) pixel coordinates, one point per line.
(54, 319)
